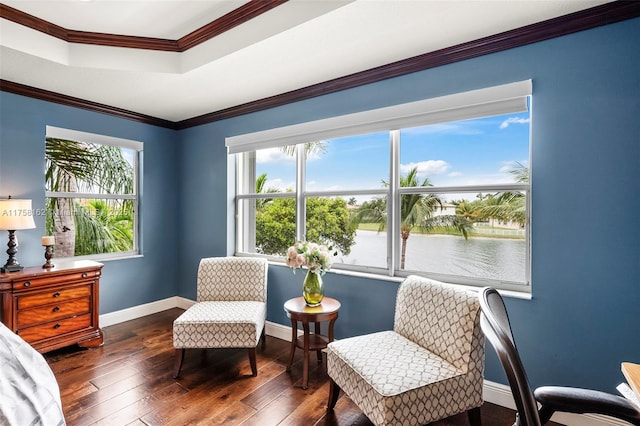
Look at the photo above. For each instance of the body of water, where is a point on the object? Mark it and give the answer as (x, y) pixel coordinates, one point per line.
(477, 257)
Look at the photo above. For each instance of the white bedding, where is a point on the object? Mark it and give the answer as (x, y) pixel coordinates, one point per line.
(29, 393)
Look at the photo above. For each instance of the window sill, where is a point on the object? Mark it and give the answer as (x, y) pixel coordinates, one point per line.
(103, 258)
(524, 295)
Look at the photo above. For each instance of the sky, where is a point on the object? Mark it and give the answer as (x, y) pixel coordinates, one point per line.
(470, 152)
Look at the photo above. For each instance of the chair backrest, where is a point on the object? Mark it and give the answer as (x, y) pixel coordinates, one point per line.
(232, 279)
(497, 329)
(443, 318)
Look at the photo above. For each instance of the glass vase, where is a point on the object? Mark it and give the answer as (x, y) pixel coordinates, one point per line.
(312, 289)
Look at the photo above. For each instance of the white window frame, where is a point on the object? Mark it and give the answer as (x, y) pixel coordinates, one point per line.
(75, 135)
(498, 100)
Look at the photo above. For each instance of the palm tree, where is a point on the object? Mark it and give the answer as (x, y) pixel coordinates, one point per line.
(416, 211)
(314, 147)
(92, 226)
(508, 206)
(260, 183)
(467, 210)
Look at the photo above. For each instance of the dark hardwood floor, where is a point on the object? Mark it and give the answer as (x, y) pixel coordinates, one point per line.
(128, 382)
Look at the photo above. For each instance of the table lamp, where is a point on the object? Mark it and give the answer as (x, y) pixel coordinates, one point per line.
(14, 214)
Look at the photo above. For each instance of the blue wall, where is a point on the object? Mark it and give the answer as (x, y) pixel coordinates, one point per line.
(581, 322)
(127, 282)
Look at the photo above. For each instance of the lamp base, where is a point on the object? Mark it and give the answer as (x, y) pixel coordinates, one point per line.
(11, 268)
(12, 264)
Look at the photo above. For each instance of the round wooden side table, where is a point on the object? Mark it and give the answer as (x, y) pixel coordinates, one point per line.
(297, 310)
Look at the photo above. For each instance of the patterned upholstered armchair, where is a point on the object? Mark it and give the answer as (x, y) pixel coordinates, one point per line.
(428, 368)
(230, 308)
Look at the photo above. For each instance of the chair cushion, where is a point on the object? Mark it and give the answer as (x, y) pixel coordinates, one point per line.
(390, 363)
(397, 382)
(231, 324)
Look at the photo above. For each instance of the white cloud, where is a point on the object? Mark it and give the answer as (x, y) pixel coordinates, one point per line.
(427, 168)
(277, 156)
(455, 174)
(514, 120)
(335, 188)
(279, 184)
(273, 155)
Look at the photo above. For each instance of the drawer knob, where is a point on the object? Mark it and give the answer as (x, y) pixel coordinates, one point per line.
(56, 326)
(56, 309)
(27, 283)
(56, 294)
(84, 275)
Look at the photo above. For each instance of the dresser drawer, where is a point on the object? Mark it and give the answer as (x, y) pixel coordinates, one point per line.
(55, 328)
(31, 283)
(46, 313)
(55, 295)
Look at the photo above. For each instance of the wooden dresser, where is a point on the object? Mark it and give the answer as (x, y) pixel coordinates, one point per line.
(53, 308)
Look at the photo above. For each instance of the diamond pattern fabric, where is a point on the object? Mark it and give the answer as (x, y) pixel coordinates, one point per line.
(429, 367)
(424, 311)
(220, 325)
(232, 278)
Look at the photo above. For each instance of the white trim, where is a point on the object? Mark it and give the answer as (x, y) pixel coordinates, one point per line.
(279, 331)
(272, 329)
(466, 105)
(78, 136)
(134, 312)
(92, 195)
(495, 393)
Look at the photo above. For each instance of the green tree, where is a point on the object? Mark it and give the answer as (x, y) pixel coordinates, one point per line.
(93, 226)
(374, 211)
(276, 226)
(507, 206)
(102, 230)
(327, 223)
(467, 210)
(260, 188)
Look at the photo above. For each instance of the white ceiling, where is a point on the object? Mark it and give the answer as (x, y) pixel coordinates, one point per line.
(295, 45)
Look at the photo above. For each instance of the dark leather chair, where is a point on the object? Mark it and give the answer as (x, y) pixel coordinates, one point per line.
(495, 325)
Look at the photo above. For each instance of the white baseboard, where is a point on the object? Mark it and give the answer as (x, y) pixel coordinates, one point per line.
(279, 331)
(499, 394)
(495, 393)
(139, 311)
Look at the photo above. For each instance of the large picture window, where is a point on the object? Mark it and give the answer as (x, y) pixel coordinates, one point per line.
(438, 188)
(91, 184)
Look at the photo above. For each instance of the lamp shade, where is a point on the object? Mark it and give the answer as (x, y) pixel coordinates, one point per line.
(16, 214)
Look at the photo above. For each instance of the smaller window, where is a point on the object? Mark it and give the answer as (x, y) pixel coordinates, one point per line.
(91, 193)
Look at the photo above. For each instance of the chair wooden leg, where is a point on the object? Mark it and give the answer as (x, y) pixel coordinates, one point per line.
(177, 363)
(264, 338)
(474, 417)
(334, 393)
(252, 361)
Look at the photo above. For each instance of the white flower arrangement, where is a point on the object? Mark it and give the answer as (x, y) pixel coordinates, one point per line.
(315, 257)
